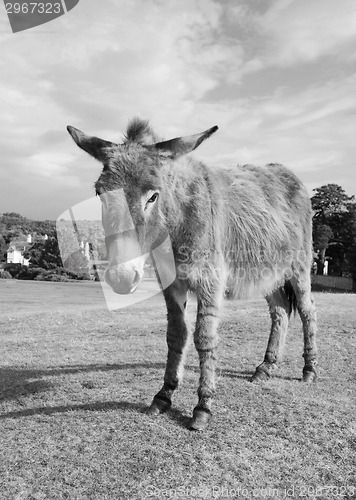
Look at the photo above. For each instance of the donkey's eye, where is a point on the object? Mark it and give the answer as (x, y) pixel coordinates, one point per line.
(153, 198)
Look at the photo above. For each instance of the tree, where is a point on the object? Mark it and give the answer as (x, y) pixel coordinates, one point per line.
(333, 225)
(14, 225)
(13, 215)
(44, 254)
(43, 227)
(3, 248)
(351, 251)
(329, 200)
(322, 235)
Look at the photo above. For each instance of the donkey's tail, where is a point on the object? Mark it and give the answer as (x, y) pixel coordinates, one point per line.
(291, 296)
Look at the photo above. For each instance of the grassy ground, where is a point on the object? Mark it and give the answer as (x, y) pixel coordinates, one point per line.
(75, 381)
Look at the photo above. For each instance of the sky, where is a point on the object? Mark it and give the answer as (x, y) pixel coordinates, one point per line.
(277, 76)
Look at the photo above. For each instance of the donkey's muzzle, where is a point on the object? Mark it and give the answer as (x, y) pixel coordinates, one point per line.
(123, 279)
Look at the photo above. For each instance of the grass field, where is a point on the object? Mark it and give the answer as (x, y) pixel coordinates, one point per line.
(75, 380)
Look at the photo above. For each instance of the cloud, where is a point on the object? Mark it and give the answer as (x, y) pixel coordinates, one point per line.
(277, 77)
(311, 130)
(302, 31)
(319, 28)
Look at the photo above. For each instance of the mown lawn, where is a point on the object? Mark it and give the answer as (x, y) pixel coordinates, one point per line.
(75, 381)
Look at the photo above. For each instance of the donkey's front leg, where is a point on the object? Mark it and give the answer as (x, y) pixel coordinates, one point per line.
(177, 335)
(206, 342)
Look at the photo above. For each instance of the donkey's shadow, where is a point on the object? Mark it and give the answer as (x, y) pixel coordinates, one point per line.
(95, 406)
(16, 383)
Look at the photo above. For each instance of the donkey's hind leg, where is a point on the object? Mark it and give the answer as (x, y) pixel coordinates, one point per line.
(280, 310)
(177, 335)
(306, 308)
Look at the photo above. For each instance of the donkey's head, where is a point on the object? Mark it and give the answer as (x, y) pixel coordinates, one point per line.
(131, 188)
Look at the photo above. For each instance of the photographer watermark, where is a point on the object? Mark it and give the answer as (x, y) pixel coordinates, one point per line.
(115, 251)
(26, 14)
(268, 492)
(257, 267)
(208, 492)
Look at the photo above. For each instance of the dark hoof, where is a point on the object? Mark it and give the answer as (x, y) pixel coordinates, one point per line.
(200, 420)
(260, 375)
(309, 376)
(158, 406)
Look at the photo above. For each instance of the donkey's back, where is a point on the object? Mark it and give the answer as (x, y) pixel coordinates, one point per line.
(268, 236)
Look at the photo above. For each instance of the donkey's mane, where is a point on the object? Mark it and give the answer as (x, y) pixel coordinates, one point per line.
(140, 131)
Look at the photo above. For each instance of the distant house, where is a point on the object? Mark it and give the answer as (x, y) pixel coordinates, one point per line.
(17, 248)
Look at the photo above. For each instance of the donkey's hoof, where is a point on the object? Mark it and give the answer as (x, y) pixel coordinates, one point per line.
(309, 376)
(158, 406)
(260, 375)
(200, 420)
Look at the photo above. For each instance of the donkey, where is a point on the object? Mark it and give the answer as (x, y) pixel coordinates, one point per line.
(240, 231)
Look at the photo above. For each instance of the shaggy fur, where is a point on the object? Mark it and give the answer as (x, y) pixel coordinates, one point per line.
(238, 231)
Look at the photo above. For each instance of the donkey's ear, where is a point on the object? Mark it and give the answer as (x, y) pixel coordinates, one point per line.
(182, 145)
(93, 145)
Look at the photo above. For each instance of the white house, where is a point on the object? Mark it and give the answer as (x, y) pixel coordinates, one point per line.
(16, 250)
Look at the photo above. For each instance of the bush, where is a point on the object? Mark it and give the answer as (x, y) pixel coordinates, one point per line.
(84, 276)
(5, 275)
(14, 269)
(40, 274)
(29, 273)
(55, 277)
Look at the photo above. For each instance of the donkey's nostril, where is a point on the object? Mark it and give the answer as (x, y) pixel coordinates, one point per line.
(137, 279)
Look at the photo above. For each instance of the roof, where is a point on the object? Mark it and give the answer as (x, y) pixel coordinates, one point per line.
(19, 245)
